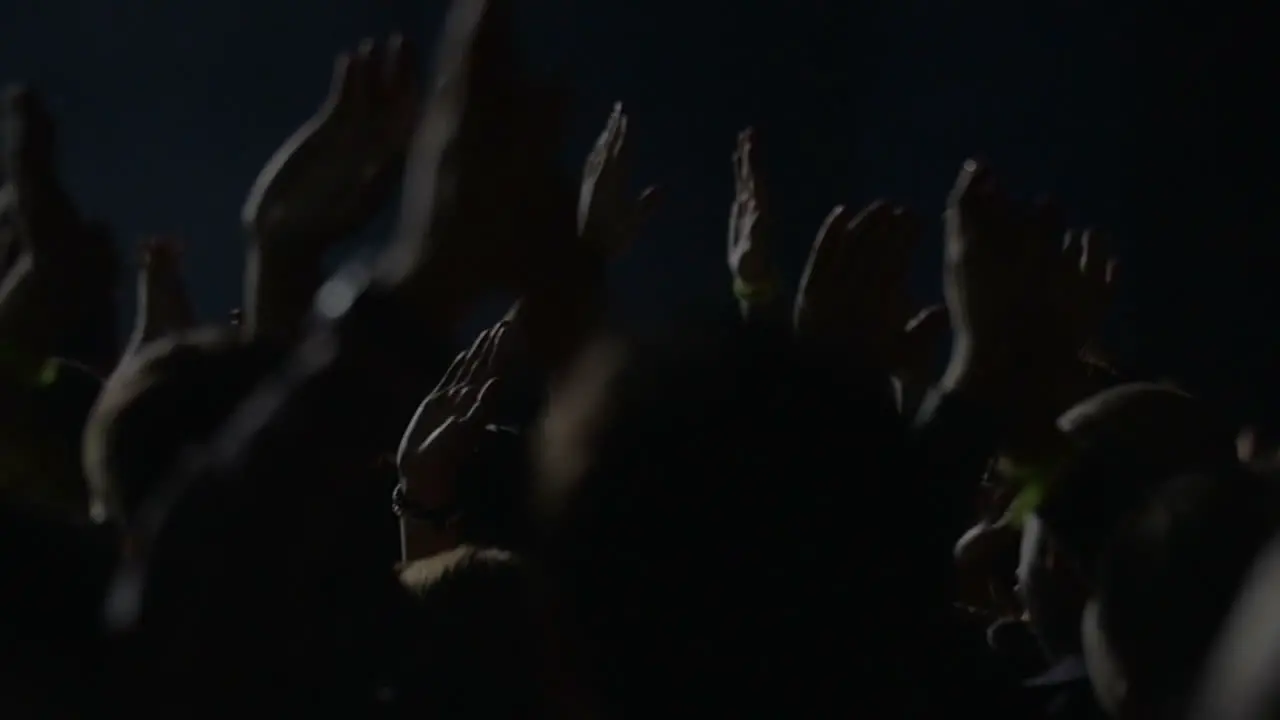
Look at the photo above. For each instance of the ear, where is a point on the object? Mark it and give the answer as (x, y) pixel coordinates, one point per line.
(578, 404)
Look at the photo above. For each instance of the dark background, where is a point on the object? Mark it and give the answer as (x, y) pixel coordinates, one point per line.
(1151, 121)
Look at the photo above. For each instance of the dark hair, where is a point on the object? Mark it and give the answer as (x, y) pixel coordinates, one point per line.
(477, 644)
(493, 492)
(1172, 573)
(49, 411)
(743, 534)
(1125, 443)
(171, 395)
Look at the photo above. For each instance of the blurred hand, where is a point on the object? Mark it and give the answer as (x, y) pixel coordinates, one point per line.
(30, 137)
(748, 254)
(163, 304)
(998, 277)
(331, 175)
(481, 159)
(1023, 304)
(445, 429)
(607, 216)
(71, 263)
(853, 294)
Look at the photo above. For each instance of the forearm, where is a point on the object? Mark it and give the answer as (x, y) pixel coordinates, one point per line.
(278, 291)
(955, 437)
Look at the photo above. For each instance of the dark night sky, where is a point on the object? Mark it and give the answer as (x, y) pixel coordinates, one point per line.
(1149, 122)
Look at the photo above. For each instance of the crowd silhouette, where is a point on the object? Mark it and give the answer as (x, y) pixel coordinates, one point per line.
(315, 503)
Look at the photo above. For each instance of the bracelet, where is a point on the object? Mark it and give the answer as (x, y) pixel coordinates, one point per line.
(752, 293)
(404, 508)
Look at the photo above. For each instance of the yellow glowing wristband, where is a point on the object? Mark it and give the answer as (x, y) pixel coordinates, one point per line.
(752, 293)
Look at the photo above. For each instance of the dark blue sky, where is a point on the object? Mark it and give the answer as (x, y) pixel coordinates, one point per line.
(1144, 120)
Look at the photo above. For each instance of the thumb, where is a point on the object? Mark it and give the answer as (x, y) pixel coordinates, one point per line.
(922, 335)
(929, 325)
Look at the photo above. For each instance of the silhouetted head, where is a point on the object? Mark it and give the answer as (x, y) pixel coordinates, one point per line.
(732, 525)
(1121, 446)
(1166, 583)
(44, 419)
(476, 638)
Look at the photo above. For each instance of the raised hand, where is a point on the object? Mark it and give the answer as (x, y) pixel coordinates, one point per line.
(331, 175)
(326, 181)
(998, 275)
(477, 174)
(607, 216)
(754, 276)
(59, 293)
(1023, 302)
(853, 295)
(442, 433)
(163, 305)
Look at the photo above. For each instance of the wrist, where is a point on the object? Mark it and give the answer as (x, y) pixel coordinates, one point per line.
(753, 292)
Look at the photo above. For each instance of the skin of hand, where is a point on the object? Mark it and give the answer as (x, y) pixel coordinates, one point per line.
(565, 303)
(442, 433)
(998, 277)
(853, 294)
(326, 181)
(750, 265)
(163, 304)
(333, 173)
(60, 301)
(607, 216)
(488, 138)
(1023, 304)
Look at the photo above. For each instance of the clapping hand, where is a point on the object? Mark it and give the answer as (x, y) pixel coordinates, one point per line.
(333, 173)
(754, 276)
(607, 215)
(444, 431)
(163, 305)
(853, 295)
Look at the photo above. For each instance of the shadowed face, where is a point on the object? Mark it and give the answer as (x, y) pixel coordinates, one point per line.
(1049, 591)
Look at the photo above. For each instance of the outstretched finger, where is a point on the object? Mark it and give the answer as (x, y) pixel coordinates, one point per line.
(476, 356)
(492, 349)
(618, 141)
(398, 66)
(930, 324)
(343, 67)
(452, 374)
(480, 403)
(743, 164)
(366, 69)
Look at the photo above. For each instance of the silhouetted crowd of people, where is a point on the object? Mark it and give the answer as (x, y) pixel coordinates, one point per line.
(844, 505)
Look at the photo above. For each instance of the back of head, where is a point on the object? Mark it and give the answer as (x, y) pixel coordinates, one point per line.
(170, 395)
(476, 642)
(1124, 443)
(1171, 574)
(43, 421)
(717, 510)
